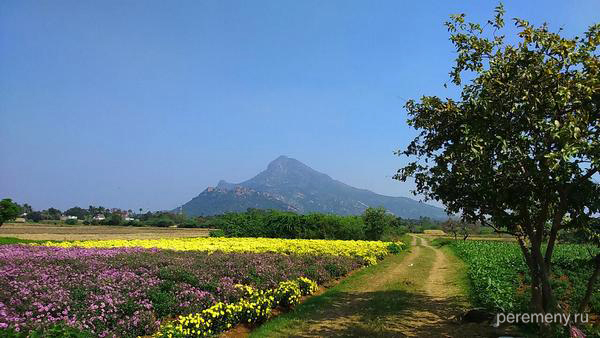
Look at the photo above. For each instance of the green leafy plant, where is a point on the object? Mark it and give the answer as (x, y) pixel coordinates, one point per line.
(518, 150)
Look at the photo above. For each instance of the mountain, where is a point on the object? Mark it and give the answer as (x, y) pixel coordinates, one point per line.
(288, 184)
(214, 201)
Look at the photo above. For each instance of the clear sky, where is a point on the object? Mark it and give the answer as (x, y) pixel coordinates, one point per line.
(146, 103)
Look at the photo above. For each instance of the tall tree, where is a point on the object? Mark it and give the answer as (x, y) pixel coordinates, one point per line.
(520, 150)
(26, 208)
(53, 213)
(376, 220)
(80, 213)
(8, 210)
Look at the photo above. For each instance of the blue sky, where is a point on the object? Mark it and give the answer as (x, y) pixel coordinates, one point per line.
(146, 103)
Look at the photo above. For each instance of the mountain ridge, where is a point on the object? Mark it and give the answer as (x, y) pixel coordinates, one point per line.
(288, 184)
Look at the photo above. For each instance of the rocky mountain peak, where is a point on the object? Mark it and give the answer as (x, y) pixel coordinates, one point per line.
(288, 184)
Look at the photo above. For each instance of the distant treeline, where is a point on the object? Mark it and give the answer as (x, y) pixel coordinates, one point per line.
(373, 224)
(98, 215)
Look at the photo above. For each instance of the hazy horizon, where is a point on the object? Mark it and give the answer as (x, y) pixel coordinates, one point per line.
(143, 104)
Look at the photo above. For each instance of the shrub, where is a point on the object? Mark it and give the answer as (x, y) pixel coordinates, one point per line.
(393, 234)
(217, 233)
(189, 223)
(440, 242)
(162, 222)
(71, 221)
(395, 247)
(133, 223)
(113, 219)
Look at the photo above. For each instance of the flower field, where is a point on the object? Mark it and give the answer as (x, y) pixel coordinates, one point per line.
(370, 251)
(185, 287)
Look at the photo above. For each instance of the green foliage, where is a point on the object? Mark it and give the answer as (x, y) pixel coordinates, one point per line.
(501, 280)
(486, 231)
(133, 223)
(395, 248)
(163, 298)
(217, 233)
(374, 224)
(35, 216)
(113, 219)
(8, 210)
(52, 214)
(55, 331)
(162, 222)
(189, 223)
(14, 240)
(440, 242)
(519, 149)
(394, 233)
(376, 221)
(280, 224)
(525, 133)
(71, 221)
(78, 212)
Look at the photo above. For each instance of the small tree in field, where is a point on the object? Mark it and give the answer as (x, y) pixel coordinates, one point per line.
(451, 226)
(8, 210)
(520, 150)
(469, 228)
(376, 221)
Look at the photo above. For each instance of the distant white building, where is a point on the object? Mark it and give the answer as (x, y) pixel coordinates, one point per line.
(129, 219)
(99, 217)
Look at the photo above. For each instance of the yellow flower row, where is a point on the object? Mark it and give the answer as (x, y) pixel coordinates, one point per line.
(254, 308)
(370, 251)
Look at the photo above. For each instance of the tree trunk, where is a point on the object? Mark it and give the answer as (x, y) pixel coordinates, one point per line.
(542, 297)
(591, 285)
(547, 296)
(536, 289)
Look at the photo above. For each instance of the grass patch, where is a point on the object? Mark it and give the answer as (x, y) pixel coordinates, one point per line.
(441, 242)
(458, 274)
(406, 239)
(14, 240)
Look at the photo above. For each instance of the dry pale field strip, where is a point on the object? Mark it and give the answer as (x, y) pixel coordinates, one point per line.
(89, 232)
(491, 237)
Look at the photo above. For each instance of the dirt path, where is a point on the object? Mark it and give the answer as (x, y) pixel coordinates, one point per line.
(346, 313)
(417, 295)
(434, 308)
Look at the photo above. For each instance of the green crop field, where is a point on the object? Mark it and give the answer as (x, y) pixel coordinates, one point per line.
(499, 276)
